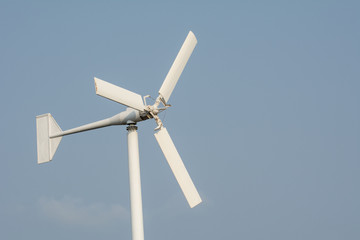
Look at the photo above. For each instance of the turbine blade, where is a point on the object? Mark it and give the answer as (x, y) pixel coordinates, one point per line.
(118, 94)
(177, 166)
(178, 66)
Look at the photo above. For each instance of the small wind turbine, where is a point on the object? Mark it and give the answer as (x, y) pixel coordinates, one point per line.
(49, 134)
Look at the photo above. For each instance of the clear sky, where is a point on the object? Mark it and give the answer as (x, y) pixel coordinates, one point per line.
(265, 116)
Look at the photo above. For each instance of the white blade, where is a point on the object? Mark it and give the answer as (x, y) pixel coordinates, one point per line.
(178, 66)
(177, 166)
(118, 94)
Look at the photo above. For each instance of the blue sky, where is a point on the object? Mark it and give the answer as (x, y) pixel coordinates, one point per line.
(265, 116)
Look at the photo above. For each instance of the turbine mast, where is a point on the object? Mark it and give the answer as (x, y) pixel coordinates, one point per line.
(135, 184)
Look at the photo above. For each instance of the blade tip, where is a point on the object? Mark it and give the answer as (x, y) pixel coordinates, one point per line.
(195, 204)
(95, 81)
(192, 35)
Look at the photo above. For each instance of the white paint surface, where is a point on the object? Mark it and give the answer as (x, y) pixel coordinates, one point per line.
(177, 166)
(135, 185)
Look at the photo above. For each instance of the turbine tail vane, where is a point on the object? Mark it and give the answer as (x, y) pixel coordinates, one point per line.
(46, 146)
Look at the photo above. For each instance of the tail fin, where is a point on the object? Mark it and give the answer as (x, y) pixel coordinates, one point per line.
(46, 146)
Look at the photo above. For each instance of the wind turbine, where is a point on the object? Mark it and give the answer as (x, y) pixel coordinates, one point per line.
(49, 134)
